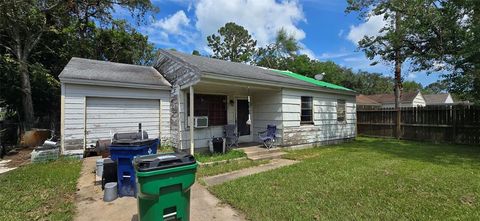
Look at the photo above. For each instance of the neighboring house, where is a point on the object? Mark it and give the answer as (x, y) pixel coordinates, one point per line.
(438, 99)
(364, 101)
(101, 98)
(414, 99)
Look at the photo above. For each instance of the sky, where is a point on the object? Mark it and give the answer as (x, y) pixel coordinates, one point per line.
(322, 27)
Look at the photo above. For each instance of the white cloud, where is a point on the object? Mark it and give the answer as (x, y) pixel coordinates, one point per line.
(173, 31)
(261, 18)
(369, 28)
(412, 75)
(309, 53)
(173, 24)
(327, 55)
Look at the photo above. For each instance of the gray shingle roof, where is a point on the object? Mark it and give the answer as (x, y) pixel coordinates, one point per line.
(435, 98)
(87, 69)
(390, 98)
(227, 68)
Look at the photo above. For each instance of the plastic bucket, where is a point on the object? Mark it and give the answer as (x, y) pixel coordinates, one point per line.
(99, 167)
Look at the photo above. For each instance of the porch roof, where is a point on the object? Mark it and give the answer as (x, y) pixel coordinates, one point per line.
(232, 70)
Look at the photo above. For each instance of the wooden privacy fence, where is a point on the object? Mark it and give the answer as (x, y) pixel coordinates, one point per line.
(453, 124)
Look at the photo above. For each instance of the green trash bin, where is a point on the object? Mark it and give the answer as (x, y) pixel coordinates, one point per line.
(163, 186)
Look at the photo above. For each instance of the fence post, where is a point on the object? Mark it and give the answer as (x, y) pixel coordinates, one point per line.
(454, 123)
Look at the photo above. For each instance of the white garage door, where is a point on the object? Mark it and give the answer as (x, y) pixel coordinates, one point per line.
(106, 116)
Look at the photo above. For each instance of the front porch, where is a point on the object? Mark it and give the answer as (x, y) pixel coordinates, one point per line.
(248, 106)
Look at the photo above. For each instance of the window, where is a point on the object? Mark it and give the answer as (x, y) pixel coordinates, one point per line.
(341, 109)
(213, 106)
(307, 113)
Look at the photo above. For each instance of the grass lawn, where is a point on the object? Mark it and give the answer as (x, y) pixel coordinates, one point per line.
(368, 179)
(212, 157)
(43, 191)
(219, 168)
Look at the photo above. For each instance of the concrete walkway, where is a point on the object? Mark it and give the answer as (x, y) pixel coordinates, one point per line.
(221, 178)
(90, 205)
(3, 166)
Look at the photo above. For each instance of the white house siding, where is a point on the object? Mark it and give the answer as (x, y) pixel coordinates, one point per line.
(419, 101)
(449, 99)
(75, 122)
(266, 109)
(326, 127)
(202, 135)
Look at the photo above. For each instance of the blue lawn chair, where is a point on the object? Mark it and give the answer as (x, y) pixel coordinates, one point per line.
(269, 136)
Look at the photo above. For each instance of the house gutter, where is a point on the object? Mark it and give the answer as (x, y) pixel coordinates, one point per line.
(113, 84)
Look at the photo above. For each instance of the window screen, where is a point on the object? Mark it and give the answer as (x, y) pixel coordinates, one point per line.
(213, 106)
(341, 110)
(306, 108)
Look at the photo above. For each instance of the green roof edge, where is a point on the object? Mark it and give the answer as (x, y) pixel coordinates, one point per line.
(311, 80)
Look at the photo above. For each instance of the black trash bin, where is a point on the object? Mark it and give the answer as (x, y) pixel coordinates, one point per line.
(109, 172)
(217, 144)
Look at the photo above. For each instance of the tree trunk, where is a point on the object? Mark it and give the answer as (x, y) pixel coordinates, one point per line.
(27, 102)
(398, 81)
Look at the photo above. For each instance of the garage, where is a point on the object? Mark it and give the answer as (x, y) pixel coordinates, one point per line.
(101, 98)
(106, 116)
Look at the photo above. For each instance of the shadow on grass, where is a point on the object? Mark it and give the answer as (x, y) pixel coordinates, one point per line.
(446, 154)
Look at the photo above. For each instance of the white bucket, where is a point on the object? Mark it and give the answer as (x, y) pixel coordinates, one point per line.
(110, 193)
(99, 168)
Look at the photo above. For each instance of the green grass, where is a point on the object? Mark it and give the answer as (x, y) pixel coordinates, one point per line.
(368, 179)
(165, 149)
(42, 191)
(209, 157)
(219, 168)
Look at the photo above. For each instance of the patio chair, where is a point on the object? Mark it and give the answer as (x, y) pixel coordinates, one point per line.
(269, 136)
(230, 135)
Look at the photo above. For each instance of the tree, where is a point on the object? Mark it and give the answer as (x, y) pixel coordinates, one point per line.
(447, 37)
(280, 52)
(38, 37)
(412, 86)
(233, 43)
(436, 88)
(195, 52)
(390, 45)
(121, 43)
(23, 23)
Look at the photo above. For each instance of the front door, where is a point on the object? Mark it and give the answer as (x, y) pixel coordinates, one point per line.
(243, 120)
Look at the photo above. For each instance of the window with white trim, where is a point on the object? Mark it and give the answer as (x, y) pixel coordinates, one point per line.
(306, 116)
(341, 110)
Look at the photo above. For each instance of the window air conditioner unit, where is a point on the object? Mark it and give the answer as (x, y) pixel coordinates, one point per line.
(199, 121)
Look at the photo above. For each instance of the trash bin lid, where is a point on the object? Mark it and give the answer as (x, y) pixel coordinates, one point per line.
(132, 142)
(162, 161)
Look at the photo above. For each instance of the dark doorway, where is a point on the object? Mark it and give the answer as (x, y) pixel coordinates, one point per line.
(242, 117)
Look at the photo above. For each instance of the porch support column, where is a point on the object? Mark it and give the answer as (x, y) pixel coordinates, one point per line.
(192, 140)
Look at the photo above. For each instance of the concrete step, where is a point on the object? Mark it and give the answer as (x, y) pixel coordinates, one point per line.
(268, 155)
(249, 150)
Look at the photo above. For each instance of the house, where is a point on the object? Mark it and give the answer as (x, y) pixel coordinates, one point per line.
(364, 101)
(438, 99)
(100, 98)
(414, 99)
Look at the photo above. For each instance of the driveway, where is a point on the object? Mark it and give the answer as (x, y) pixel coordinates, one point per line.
(90, 205)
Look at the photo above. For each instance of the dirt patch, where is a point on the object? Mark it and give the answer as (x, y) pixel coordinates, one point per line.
(18, 157)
